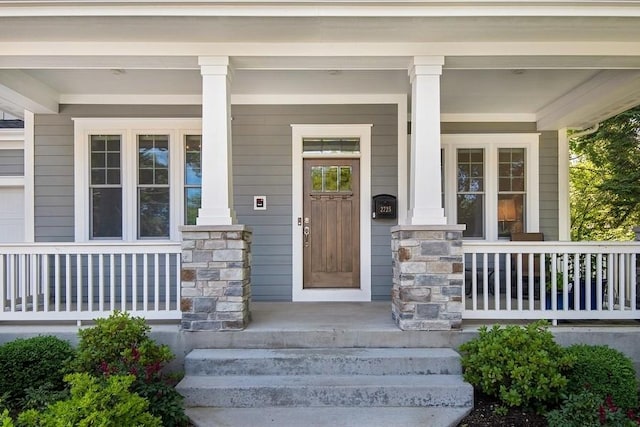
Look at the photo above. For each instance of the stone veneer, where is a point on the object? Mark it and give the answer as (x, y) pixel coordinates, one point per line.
(428, 271)
(215, 277)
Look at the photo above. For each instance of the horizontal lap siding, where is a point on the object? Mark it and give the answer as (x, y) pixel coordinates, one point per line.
(11, 163)
(262, 166)
(53, 161)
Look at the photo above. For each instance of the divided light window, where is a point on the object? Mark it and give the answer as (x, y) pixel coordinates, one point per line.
(154, 212)
(471, 191)
(105, 187)
(192, 177)
(136, 178)
(511, 191)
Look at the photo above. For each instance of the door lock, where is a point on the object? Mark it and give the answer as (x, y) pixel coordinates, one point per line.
(306, 231)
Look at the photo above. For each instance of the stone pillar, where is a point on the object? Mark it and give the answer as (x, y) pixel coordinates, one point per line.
(428, 274)
(215, 277)
(425, 188)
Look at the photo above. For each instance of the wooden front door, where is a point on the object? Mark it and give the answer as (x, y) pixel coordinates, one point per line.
(331, 223)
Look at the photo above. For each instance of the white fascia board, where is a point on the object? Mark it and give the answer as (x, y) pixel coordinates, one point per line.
(21, 89)
(97, 62)
(315, 8)
(563, 48)
(131, 99)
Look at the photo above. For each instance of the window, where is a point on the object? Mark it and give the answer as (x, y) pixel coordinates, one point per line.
(496, 182)
(105, 187)
(136, 179)
(192, 177)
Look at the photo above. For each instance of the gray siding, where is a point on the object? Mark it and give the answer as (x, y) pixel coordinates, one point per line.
(549, 185)
(548, 164)
(11, 163)
(53, 161)
(262, 166)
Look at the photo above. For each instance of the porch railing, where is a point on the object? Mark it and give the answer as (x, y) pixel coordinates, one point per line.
(551, 280)
(82, 281)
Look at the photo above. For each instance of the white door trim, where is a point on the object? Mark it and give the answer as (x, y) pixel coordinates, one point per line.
(300, 131)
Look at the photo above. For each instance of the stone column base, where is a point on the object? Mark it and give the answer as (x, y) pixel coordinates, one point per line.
(215, 277)
(428, 271)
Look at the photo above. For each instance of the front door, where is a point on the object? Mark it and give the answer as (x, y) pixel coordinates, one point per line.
(331, 223)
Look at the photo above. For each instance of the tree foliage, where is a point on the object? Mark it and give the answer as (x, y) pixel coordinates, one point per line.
(605, 180)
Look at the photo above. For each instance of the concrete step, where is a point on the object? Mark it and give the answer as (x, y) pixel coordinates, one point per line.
(326, 361)
(326, 417)
(326, 390)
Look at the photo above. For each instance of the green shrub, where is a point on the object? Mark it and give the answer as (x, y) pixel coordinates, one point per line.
(603, 371)
(120, 345)
(521, 366)
(35, 363)
(578, 410)
(95, 402)
(5, 419)
(586, 409)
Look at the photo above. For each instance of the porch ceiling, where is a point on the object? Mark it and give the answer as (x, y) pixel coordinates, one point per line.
(557, 70)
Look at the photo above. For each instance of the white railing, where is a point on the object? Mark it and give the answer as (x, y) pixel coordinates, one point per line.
(82, 281)
(513, 280)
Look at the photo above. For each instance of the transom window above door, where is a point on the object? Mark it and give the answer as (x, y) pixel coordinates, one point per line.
(136, 179)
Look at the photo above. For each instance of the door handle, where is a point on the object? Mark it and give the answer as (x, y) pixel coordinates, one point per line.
(306, 231)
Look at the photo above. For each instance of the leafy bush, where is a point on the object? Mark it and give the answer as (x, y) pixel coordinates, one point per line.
(522, 366)
(5, 419)
(36, 363)
(578, 410)
(120, 345)
(603, 371)
(586, 409)
(95, 402)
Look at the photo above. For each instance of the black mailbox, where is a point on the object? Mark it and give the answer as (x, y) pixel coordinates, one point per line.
(384, 207)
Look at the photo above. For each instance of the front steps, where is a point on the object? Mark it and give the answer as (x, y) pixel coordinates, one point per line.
(345, 379)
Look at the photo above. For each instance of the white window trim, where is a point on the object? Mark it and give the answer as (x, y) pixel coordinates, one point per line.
(128, 129)
(491, 143)
(299, 132)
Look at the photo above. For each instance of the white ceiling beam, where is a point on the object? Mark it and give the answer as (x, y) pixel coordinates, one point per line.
(604, 95)
(96, 62)
(571, 49)
(20, 89)
(314, 8)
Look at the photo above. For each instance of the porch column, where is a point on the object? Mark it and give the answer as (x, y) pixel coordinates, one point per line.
(425, 187)
(217, 185)
(428, 267)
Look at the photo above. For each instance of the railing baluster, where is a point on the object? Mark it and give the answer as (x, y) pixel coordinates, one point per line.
(33, 280)
(123, 282)
(67, 268)
(101, 282)
(90, 282)
(156, 280)
(485, 280)
(134, 282)
(3, 283)
(79, 283)
(633, 281)
(622, 281)
(57, 284)
(44, 277)
(531, 278)
(112, 281)
(22, 259)
(554, 283)
(588, 282)
(610, 280)
(543, 282)
(519, 281)
(167, 282)
(496, 280)
(145, 281)
(507, 277)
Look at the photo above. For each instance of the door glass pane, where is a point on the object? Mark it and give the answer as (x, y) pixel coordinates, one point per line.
(331, 178)
(316, 178)
(345, 178)
(154, 212)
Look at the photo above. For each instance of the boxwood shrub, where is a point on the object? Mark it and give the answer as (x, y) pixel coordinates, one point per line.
(603, 371)
(38, 363)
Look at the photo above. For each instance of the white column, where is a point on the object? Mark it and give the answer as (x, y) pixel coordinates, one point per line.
(217, 185)
(425, 187)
